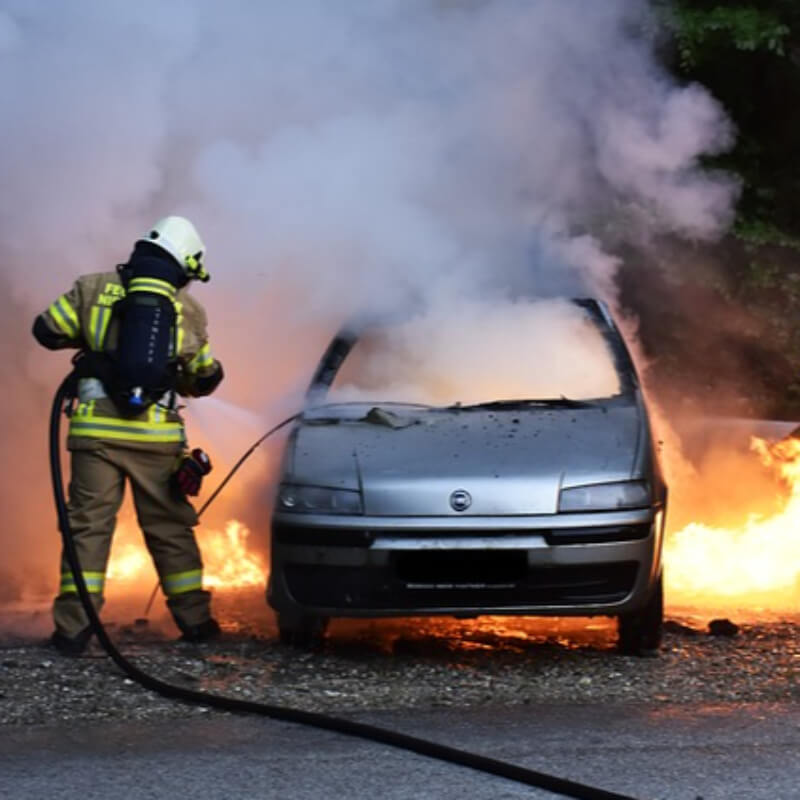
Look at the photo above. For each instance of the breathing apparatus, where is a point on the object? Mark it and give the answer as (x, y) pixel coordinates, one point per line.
(138, 365)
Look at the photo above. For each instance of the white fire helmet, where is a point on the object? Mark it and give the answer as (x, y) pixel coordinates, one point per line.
(181, 240)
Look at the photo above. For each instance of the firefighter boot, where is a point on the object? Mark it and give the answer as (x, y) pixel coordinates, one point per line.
(204, 632)
(71, 645)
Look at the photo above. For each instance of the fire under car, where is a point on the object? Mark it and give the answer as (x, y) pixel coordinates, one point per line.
(491, 461)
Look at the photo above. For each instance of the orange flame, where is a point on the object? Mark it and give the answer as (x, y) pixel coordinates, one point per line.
(753, 566)
(228, 563)
(128, 562)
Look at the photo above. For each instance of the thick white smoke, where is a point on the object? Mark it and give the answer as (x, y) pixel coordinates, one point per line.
(442, 358)
(334, 156)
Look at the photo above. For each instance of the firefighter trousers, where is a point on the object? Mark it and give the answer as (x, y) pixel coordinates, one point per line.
(96, 490)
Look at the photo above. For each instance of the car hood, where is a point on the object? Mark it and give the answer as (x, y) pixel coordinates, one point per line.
(509, 462)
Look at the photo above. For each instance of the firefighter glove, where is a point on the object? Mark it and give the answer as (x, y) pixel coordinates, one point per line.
(188, 477)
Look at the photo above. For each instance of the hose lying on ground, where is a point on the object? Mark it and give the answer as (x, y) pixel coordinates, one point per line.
(361, 730)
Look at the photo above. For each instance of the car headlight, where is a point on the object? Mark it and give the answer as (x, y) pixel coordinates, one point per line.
(300, 499)
(605, 496)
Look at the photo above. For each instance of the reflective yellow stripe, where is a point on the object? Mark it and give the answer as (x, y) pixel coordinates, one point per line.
(58, 318)
(105, 318)
(110, 428)
(179, 334)
(180, 582)
(99, 317)
(202, 359)
(93, 326)
(84, 409)
(69, 311)
(85, 423)
(94, 582)
(154, 285)
(65, 317)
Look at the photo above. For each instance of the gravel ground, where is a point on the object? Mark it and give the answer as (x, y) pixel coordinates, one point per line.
(394, 664)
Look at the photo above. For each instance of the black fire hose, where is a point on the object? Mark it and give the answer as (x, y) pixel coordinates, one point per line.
(403, 741)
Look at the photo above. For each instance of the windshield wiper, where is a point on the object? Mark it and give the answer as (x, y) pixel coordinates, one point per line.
(371, 403)
(385, 414)
(511, 405)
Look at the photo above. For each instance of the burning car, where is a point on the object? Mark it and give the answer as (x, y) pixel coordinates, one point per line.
(499, 464)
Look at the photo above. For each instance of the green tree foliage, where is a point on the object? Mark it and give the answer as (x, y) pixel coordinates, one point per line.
(726, 317)
(699, 32)
(748, 55)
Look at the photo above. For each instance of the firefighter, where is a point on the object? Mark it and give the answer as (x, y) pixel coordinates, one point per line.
(136, 325)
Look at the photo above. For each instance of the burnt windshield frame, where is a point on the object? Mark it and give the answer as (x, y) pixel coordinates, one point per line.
(344, 341)
(623, 363)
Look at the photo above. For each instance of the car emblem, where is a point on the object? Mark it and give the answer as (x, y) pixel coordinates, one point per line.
(460, 500)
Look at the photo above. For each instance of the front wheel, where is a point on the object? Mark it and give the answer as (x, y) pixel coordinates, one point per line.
(304, 633)
(640, 631)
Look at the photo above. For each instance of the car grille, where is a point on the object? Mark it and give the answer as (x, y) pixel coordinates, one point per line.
(360, 537)
(445, 579)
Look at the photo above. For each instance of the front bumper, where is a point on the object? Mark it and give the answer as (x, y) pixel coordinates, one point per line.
(570, 564)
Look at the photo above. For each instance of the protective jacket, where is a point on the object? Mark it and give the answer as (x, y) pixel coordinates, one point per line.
(81, 318)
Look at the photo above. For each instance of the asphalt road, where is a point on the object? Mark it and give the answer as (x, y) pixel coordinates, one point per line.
(716, 718)
(743, 752)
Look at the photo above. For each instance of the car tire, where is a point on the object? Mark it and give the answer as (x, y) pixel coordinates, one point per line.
(640, 631)
(304, 633)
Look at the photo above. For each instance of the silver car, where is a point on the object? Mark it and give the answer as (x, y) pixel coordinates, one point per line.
(531, 505)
